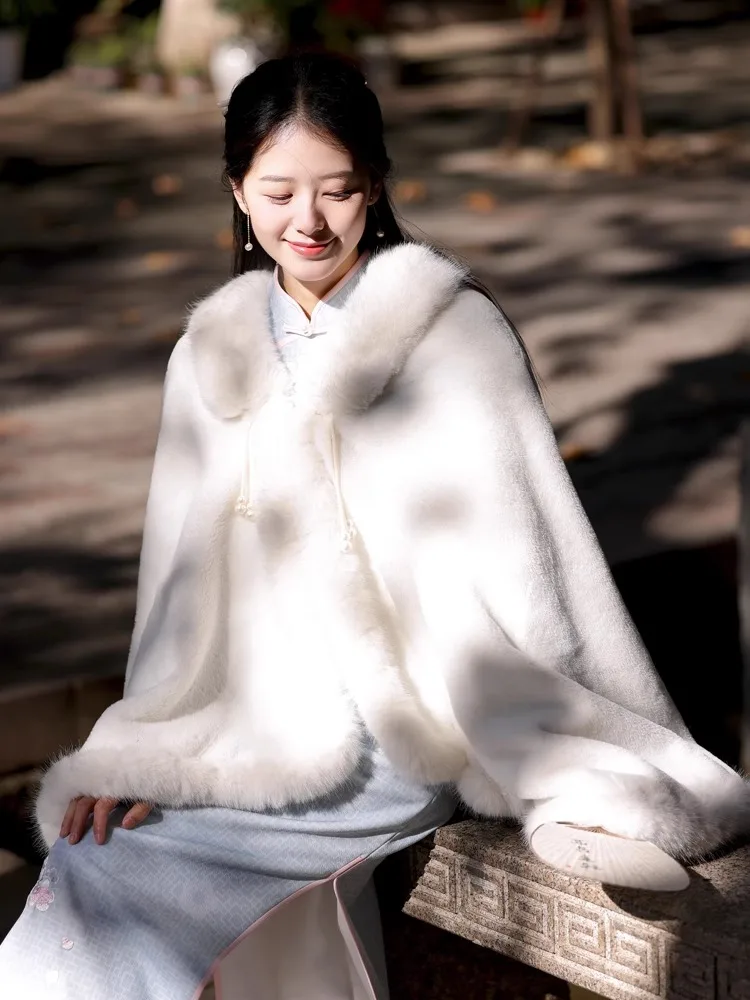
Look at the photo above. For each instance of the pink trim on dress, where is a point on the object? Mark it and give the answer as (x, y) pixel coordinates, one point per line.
(211, 974)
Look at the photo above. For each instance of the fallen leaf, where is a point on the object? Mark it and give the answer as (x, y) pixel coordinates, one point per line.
(126, 208)
(410, 191)
(739, 237)
(480, 201)
(573, 452)
(532, 159)
(224, 239)
(589, 156)
(129, 317)
(168, 335)
(166, 184)
(13, 427)
(160, 260)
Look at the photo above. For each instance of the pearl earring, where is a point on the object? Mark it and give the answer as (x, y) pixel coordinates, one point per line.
(379, 231)
(248, 245)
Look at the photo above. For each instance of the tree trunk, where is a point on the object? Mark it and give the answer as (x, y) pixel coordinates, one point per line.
(622, 37)
(520, 118)
(601, 117)
(187, 33)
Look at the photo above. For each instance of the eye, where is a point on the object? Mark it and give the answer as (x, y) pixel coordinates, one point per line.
(278, 199)
(339, 195)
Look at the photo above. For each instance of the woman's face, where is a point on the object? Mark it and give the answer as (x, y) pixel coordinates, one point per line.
(307, 203)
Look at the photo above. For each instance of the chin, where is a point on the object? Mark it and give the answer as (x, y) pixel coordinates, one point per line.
(310, 269)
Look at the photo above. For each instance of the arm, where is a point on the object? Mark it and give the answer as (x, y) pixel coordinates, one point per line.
(547, 676)
(174, 479)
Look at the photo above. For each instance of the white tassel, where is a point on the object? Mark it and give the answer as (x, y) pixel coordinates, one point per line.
(347, 527)
(244, 504)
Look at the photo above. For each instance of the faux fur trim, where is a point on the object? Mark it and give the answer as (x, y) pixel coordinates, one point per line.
(179, 781)
(228, 335)
(484, 797)
(644, 808)
(385, 318)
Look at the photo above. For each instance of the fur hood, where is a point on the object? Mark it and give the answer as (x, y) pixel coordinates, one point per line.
(390, 543)
(386, 317)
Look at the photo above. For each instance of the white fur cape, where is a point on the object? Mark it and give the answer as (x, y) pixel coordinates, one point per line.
(472, 624)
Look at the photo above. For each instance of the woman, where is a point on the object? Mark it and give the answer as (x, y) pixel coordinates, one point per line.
(366, 585)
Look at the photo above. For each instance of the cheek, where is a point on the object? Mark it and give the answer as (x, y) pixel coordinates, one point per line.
(351, 217)
(268, 219)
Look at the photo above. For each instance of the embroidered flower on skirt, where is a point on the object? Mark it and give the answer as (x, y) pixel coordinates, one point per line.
(42, 896)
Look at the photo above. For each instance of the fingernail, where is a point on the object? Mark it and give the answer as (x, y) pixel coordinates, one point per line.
(72, 839)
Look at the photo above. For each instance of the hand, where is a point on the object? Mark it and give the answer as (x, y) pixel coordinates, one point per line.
(77, 816)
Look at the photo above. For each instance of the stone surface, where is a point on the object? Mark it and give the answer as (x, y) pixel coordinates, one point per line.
(36, 720)
(481, 881)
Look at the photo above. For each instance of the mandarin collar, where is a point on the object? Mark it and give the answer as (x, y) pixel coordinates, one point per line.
(288, 316)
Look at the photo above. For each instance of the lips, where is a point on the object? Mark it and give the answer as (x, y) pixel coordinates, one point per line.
(309, 249)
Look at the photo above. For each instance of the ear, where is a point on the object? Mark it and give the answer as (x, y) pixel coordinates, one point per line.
(375, 192)
(239, 196)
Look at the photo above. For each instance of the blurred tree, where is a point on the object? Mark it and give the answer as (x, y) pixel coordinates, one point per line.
(187, 32)
(614, 114)
(49, 26)
(20, 13)
(313, 24)
(615, 107)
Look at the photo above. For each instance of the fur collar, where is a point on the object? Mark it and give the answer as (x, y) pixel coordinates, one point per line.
(395, 303)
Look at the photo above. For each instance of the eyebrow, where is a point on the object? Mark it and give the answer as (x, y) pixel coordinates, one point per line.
(338, 175)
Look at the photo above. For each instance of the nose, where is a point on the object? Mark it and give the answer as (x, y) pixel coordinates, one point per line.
(308, 218)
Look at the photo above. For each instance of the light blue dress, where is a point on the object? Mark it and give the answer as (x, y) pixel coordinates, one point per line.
(157, 912)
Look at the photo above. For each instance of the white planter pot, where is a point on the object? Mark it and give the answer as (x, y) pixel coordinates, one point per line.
(230, 62)
(11, 57)
(378, 63)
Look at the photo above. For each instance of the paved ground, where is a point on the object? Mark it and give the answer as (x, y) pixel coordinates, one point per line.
(631, 294)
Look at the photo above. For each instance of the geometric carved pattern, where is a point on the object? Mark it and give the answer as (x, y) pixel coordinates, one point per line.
(438, 882)
(633, 948)
(603, 948)
(530, 913)
(581, 934)
(692, 973)
(480, 897)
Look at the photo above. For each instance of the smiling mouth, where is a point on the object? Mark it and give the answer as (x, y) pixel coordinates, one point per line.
(309, 246)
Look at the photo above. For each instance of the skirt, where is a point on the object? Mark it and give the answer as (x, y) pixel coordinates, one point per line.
(273, 905)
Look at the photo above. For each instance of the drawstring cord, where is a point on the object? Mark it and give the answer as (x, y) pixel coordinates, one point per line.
(244, 503)
(347, 528)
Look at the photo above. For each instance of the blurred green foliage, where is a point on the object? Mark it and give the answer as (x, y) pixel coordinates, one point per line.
(20, 13)
(131, 45)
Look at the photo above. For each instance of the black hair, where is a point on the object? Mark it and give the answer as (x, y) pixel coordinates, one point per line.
(330, 96)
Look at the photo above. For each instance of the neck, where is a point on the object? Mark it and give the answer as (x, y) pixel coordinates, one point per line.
(309, 294)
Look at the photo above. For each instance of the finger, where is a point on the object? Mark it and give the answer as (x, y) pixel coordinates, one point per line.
(80, 818)
(68, 818)
(102, 809)
(136, 815)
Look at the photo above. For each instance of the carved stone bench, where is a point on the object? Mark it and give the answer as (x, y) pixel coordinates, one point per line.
(480, 881)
